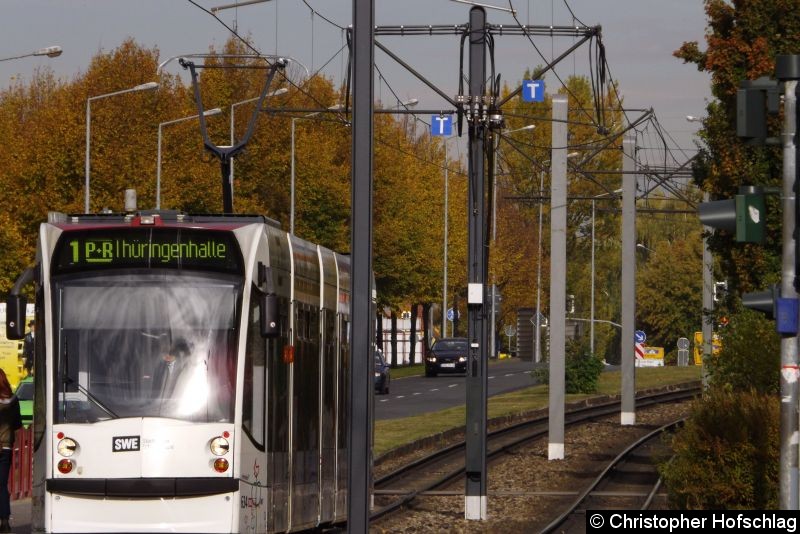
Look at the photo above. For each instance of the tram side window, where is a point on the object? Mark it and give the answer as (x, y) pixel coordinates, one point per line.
(254, 375)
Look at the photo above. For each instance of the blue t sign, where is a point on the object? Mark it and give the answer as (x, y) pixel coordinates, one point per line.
(441, 124)
(533, 90)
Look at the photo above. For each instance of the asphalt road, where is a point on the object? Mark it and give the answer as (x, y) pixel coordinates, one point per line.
(419, 394)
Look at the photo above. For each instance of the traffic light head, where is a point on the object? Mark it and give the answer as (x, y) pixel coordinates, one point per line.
(744, 215)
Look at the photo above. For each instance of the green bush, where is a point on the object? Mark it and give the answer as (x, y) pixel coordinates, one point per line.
(581, 369)
(582, 372)
(726, 456)
(750, 356)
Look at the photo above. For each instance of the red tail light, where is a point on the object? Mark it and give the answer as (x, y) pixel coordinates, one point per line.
(64, 466)
(220, 465)
(288, 354)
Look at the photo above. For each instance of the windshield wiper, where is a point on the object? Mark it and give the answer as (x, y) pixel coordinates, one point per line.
(95, 400)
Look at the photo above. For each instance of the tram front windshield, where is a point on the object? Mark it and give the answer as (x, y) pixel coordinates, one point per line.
(146, 345)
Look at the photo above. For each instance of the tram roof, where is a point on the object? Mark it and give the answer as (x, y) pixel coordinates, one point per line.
(156, 218)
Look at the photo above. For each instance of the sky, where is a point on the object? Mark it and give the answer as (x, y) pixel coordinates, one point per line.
(639, 38)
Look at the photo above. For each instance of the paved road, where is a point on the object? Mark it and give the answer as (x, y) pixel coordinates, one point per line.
(418, 395)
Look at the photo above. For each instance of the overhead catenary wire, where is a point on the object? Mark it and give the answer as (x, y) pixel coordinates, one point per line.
(247, 44)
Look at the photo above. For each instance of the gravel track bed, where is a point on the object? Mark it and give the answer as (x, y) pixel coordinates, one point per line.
(511, 508)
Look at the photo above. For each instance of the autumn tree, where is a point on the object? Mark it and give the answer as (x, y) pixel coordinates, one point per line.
(743, 39)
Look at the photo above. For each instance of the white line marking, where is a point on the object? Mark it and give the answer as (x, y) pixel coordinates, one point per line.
(400, 397)
(434, 389)
(491, 377)
(417, 393)
(452, 385)
(384, 400)
(510, 374)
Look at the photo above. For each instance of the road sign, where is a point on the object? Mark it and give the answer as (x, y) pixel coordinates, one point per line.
(639, 336)
(533, 90)
(683, 343)
(510, 330)
(441, 124)
(639, 351)
(451, 314)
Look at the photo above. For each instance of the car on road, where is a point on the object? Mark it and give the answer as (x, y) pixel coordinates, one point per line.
(447, 355)
(24, 393)
(382, 375)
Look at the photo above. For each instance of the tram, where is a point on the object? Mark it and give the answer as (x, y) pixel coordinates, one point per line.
(250, 328)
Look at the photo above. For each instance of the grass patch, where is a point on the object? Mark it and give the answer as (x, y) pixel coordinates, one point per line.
(405, 371)
(392, 433)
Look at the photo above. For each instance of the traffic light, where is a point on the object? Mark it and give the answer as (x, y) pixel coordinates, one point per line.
(744, 215)
(763, 301)
(771, 304)
(754, 99)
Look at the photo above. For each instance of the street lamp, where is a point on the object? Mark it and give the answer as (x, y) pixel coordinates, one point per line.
(692, 118)
(591, 298)
(49, 51)
(210, 112)
(142, 87)
(338, 107)
(493, 312)
(444, 281)
(237, 4)
(277, 92)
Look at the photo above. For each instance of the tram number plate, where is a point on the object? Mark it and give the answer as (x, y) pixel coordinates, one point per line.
(125, 443)
(448, 365)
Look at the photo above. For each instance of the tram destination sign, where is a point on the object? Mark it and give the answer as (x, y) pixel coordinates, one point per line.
(147, 248)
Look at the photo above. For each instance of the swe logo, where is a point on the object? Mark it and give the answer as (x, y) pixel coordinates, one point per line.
(125, 443)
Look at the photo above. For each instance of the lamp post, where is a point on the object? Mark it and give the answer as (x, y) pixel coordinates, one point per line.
(210, 112)
(591, 298)
(337, 107)
(277, 92)
(493, 318)
(408, 103)
(142, 87)
(444, 281)
(49, 51)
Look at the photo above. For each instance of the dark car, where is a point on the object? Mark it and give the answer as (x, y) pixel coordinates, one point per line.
(448, 355)
(382, 377)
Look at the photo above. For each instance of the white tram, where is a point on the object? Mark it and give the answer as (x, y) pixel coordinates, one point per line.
(250, 437)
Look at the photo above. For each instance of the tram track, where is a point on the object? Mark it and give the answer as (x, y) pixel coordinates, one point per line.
(629, 482)
(430, 474)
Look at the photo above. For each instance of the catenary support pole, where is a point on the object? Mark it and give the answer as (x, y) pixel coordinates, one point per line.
(628, 370)
(558, 277)
(361, 367)
(475, 501)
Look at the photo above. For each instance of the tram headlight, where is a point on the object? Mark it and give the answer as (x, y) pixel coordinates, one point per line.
(219, 446)
(65, 466)
(67, 446)
(220, 465)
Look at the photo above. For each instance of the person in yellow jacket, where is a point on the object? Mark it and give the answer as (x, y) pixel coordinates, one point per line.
(10, 421)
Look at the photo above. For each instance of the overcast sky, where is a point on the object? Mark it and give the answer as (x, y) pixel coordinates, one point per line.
(639, 36)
